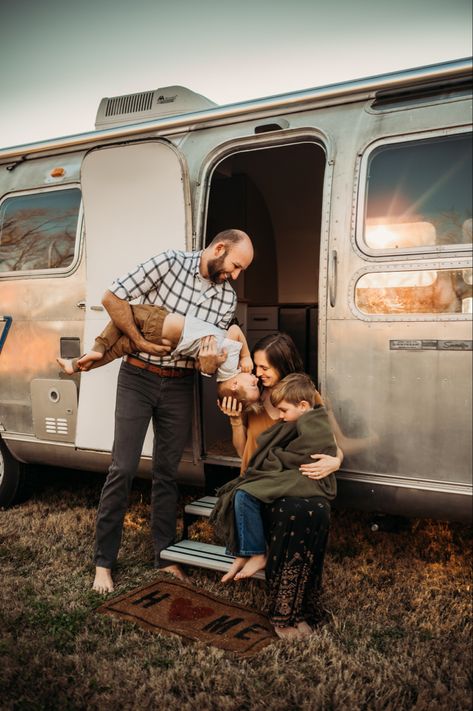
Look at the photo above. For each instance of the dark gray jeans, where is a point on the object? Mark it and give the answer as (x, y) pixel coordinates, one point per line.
(142, 396)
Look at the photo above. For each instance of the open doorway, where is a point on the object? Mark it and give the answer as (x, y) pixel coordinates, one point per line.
(275, 195)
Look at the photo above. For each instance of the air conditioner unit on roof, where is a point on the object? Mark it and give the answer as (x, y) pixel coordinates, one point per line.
(147, 105)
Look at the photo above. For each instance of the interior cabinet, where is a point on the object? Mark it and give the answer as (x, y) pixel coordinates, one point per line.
(261, 321)
(297, 320)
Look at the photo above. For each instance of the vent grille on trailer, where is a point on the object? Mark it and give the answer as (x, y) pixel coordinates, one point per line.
(129, 104)
(147, 105)
(56, 425)
(54, 409)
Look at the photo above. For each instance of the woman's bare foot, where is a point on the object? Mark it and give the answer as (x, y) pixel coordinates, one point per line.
(88, 359)
(67, 365)
(287, 632)
(103, 582)
(175, 570)
(253, 564)
(237, 565)
(305, 629)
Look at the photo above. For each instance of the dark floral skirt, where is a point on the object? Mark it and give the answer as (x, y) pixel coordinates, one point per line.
(297, 531)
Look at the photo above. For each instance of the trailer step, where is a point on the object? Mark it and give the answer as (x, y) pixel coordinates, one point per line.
(201, 507)
(202, 555)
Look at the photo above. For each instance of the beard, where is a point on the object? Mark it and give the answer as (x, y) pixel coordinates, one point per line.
(217, 274)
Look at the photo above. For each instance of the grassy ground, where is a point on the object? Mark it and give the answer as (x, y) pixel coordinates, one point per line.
(397, 634)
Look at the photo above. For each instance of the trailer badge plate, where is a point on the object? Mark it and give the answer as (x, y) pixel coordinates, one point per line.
(430, 345)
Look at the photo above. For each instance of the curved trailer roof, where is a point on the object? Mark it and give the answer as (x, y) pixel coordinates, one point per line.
(296, 101)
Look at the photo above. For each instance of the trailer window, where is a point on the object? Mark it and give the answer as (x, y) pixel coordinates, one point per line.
(419, 195)
(38, 231)
(415, 292)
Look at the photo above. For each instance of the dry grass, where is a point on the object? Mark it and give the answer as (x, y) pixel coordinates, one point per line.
(397, 633)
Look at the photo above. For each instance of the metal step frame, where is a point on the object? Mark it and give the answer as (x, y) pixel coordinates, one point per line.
(200, 508)
(202, 555)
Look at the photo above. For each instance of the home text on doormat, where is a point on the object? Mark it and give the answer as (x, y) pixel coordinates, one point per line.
(174, 607)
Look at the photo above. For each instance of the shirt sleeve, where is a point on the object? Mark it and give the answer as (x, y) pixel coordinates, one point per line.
(146, 277)
(227, 318)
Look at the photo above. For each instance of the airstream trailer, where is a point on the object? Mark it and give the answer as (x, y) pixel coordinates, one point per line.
(358, 199)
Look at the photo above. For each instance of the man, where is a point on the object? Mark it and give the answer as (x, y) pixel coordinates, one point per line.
(153, 385)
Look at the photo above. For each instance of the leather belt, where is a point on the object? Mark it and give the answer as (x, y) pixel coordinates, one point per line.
(163, 372)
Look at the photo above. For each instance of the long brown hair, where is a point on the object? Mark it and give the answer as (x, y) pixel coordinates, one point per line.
(281, 352)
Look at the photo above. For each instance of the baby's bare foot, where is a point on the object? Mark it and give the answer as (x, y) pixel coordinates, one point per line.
(86, 360)
(103, 582)
(66, 365)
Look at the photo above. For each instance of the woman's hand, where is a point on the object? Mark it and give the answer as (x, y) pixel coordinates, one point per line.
(230, 407)
(233, 409)
(323, 466)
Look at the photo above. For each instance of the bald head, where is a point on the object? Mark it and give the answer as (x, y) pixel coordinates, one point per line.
(228, 254)
(230, 237)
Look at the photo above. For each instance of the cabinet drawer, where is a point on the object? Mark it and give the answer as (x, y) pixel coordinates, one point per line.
(254, 335)
(263, 317)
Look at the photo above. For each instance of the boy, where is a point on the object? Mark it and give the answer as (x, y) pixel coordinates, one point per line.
(273, 472)
(184, 334)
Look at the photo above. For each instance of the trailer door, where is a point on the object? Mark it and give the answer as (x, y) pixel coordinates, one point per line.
(135, 206)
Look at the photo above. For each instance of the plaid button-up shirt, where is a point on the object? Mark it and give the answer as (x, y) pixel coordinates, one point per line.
(172, 279)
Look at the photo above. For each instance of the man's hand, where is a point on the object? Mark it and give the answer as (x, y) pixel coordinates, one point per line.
(121, 314)
(209, 359)
(157, 349)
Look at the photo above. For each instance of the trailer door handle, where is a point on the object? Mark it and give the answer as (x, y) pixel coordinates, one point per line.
(333, 278)
(8, 322)
(82, 305)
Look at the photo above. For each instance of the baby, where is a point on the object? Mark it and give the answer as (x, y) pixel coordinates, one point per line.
(183, 334)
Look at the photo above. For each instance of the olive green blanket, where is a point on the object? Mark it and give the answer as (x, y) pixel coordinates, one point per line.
(273, 470)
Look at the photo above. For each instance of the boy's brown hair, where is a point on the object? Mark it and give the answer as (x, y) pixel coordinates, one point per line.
(293, 389)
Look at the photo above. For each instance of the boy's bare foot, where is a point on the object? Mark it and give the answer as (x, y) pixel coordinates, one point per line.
(237, 565)
(66, 365)
(287, 632)
(253, 564)
(305, 629)
(175, 570)
(86, 360)
(103, 582)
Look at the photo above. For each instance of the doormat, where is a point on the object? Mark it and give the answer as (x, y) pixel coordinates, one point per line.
(177, 608)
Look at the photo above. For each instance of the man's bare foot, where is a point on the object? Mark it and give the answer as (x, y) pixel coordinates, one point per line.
(253, 564)
(305, 629)
(175, 570)
(237, 565)
(287, 632)
(67, 365)
(88, 359)
(103, 582)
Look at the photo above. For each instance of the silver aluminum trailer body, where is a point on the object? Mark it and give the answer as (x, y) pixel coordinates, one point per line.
(354, 197)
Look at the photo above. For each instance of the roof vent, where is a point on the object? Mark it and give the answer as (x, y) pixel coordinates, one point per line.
(147, 105)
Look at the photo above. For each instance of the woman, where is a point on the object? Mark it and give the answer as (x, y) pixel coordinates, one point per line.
(297, 528)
